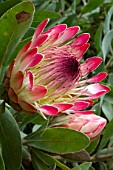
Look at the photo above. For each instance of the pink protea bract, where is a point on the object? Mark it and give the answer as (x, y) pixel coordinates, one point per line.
(86, 122)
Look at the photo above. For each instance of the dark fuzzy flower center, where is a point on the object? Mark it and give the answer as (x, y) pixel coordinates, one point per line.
(70, 67)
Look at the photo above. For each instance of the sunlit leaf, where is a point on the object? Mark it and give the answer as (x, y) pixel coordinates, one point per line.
(107, 20)
(13, 25)
(106, 43)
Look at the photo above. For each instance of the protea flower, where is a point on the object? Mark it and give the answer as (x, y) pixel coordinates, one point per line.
(47, 76)
(86, 122)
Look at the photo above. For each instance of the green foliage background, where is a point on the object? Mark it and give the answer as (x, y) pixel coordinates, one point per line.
(20, 150)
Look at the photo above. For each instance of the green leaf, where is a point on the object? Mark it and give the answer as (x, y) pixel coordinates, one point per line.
(102, 166)
(38, 164)
(29, 33)
(42, 160)
(110, 79)
(47, 162)
(91, 168)
(58, 140)
(83, 166)
(107, 109)
(91, 5)
(42, 15)
(106, 43)
(91, 147)
(105, 151)
(10, 141)
(109, 96)
(18, 48)
(7, 5)
(13, 25)
(35, 118)
(2, 166)
(107, 134)
(2, 107)
(97, 38)
(107, 20)
(2, 88)
(21, 168)
(61, 165)
(97, 108)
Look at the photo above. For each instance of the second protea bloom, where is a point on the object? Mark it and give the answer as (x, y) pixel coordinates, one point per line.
(89, 124)
(86, 122)
(47, 75)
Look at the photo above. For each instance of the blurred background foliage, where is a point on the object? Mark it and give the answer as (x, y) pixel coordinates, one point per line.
(94, 17)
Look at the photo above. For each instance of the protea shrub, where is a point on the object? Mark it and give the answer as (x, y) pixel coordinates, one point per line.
(48, 77)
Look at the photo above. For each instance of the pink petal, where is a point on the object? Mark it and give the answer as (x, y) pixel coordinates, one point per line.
(23, 50)
(94, 90)
(29, 53)
(97, 131)
(67, 34)
(12, 95)
(27, 107)
(32, 95)
(91, 103)
(63, 106)
(31, 61)
(39, 41)
(90, 64)
(49, 41)
(81, 39)
(49, 110)
(17, 81)
(86, 112)
(40, 28)
(10, 69)
(80, 50)
(56, 29)
(79, 105)
(30, 79)
(37, 92)
(99, 77)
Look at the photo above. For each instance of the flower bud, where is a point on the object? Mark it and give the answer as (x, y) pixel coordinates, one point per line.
(89, 124)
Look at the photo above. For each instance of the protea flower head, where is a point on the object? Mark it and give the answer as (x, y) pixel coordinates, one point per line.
(47, 75)
(86, 122)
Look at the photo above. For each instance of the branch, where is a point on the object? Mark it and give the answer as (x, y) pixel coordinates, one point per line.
(101, 157)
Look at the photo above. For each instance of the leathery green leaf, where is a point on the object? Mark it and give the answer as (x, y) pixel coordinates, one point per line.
(91, 5)
(13, 25)
(58, 140)
(107, 134)
(10, 141)
(44, 159)
(2, 166)
(106, 43)
(45, 14)
(83, 166)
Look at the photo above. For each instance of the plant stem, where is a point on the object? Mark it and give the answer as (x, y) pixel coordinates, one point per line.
(101, 157)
